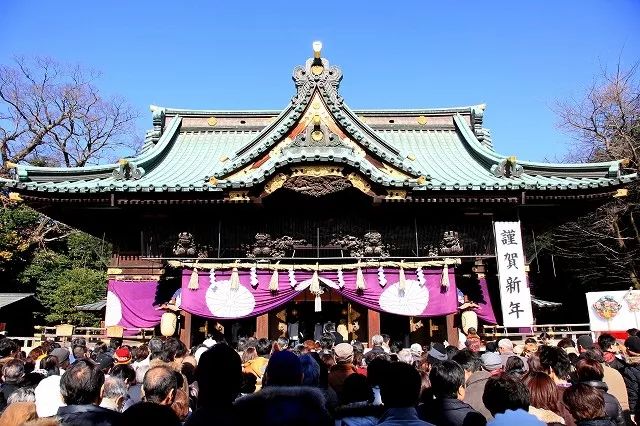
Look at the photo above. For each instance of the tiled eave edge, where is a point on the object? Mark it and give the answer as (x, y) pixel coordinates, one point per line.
(69, 174)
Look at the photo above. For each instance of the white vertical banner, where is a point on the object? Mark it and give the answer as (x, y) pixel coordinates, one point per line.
(515, 296)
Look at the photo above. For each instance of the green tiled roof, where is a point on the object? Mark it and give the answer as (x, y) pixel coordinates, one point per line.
(456, 155)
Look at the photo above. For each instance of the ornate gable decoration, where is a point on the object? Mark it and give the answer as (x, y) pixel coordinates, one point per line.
(318, 131)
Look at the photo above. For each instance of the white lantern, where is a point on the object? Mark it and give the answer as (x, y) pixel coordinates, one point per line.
(168, 324)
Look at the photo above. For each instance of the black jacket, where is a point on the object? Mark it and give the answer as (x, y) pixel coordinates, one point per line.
(631, 375)
(612, 407)
(450, 412)
(86, 415)
(595, 422)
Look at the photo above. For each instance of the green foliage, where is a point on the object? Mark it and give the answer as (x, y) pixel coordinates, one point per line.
(75, 287)
(17, 225)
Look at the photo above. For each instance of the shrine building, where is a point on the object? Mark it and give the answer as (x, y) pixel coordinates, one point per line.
(277, 222)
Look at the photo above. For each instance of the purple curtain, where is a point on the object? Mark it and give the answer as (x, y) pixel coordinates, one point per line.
(218, 300)
(130, 304)
(485, 310)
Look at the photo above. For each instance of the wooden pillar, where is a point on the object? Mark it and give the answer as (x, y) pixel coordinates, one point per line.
(452, 330)
(185, 329)
(373, 323)
(262, 326)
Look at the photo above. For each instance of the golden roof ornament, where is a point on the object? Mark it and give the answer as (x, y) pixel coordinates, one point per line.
(317, 68)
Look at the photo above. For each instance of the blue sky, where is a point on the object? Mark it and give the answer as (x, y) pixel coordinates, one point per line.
(518, 57)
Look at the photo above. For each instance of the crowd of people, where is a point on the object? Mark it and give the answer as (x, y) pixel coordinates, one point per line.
(264, 382)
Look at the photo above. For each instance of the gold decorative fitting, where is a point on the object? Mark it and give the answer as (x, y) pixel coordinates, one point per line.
(622, 192)
(317, 171)
(212, 121)
(316, 104)
(421, 180)
(213, 180)
(275, 183)
(317, 69)
(411, 157)
(359, 183)
(316, 120)
(396, 195)
(422, 120)
(317, 135)
(10, 165)
(224, 158)
(625, 162)
(363, 119)
(238, 196)
(114, 271)
(512, 159)
(14, 196)
(123, 161)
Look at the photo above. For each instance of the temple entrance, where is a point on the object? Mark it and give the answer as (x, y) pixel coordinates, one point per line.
(299, 319)
(229, 330)
(407, 330)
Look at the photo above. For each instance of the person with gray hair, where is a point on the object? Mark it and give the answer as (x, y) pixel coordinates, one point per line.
(114, 394)
(405, 356)
(376, 350)
(12, 372)
(22, 395)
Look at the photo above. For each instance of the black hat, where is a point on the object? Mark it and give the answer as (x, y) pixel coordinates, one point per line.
(585, 341)
(633, 344)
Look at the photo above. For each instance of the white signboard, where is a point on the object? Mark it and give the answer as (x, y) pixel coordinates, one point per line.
(515, 296)
(613, 310)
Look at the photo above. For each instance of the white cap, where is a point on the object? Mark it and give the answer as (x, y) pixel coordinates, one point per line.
(209, 343)
(199, 353)
(48, 396)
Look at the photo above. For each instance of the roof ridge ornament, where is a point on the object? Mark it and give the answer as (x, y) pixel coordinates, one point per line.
(317, 74)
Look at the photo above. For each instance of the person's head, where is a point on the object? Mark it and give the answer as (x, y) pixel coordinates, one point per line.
(594, 353)
(160, 385)
(124, 372)
(79, 352)
(173, 347)
(122, 355)
(263, 347)
(555, 362)
(343, 353)
(584, 342)
(469, 361)
(12, 371)
(633, 345)
(149, 413)
(115, 393)
(491, 361)
(82, 384)
(310, 371)
(249, 382)
(386, 339)
(377, 371)
(505, 346)
(633, 332)
(249, 354)
(451, 351)
(502, 393)
(608, 343)
(219, 376)
(327, 341)
(63, 357)
(588, 370)
(514, 365)
(356, 389)
(283, 343)
(329, 327)
(400, 387)
(584, 402)
(25, 394)
(404, 355)
(566, 342)
(141, 353)
(115, 343)
(377, 340)
(8, 348)
(543, 391)
(283, 369)
(530, 345)
(328, 359)
(447, 380)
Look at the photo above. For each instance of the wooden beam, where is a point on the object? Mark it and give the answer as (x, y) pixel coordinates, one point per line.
(373, 323)
(185, 329)
(262, 326)
(452, 330)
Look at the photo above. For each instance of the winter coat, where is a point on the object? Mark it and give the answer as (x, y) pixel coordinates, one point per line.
(617, 388)
(631, 376)
(612, 407)
(87, 415)
(474, 391)
(283, 405)
(374, 352)
(546, 416)
(337, 376)
(402, 417)
(357, 414)
(257, 367)
(450, 412)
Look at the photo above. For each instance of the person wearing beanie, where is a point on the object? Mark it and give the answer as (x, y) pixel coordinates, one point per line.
(122, 355)
(491, 365)
(343, 353)
(585, 342)
(437, 353)
(282, 400)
